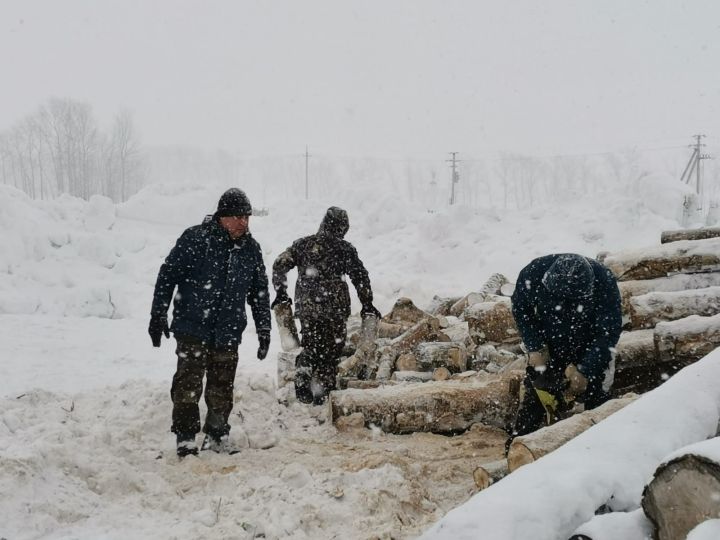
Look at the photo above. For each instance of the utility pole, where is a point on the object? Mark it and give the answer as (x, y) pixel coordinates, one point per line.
(455, 176)
(307, 158)
(694, 164)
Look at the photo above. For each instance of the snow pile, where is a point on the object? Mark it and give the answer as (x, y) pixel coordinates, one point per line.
(607, 465)
(85, 409)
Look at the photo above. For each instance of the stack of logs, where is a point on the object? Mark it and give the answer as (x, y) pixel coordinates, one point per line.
(460, 361)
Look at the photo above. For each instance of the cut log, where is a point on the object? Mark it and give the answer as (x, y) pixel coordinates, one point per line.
(425, 330)
(649, 309)
(492, 322)
(487, 474)
(286, 367)
(440, 307)
(452, 356)
(406, 362)
(440, 407)
(531, 447)
(507, 289)
(441, 374)
(457, 309)
(390, 330)
(682, 494)
(687, 257)
(493, 285)
(489, 358)
(412, 376)
(687, 340)
(459, 333)
(689, 234)
(678, 282)
(405, 312)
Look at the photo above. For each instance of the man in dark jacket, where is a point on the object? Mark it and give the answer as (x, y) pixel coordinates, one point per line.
(217, 267)
(567, 309)
(322, 300)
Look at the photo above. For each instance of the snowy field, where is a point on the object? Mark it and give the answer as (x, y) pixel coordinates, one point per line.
(85, 447)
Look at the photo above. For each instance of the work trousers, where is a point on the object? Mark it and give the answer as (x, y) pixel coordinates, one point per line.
(195, 361)
(323, 341)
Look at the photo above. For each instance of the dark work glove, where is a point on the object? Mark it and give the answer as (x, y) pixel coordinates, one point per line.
(264, 344)
(158, 327)
(281, 297)
(370, 310)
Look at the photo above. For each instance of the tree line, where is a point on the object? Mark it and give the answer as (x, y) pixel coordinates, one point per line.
(61, 149)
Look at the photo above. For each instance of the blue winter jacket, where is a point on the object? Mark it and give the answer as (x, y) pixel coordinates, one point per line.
(215, 276)
(576, 331)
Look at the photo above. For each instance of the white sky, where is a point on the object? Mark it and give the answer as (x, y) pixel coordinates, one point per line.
(375, 77)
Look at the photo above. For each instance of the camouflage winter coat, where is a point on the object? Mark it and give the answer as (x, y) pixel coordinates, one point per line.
(323, 260)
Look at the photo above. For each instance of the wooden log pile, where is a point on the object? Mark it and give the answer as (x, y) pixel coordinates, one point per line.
(418, 369)
(663, 289)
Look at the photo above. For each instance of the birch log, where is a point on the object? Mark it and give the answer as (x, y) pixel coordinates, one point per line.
(531, 447)
(678, 282)
(683, 493)
(649, 309)
(687, 257)
(439, 407)
(689, 234)
(687, 340)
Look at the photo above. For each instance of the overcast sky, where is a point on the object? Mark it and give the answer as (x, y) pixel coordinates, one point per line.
(375, 77)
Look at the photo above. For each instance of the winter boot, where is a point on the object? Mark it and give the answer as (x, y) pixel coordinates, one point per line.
(186, 445)
(219, 445)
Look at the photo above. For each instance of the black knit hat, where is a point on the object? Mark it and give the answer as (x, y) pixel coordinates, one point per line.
(570, 276)
(234, 202)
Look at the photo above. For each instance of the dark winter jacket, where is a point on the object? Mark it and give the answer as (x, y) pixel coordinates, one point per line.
(577, 330)
(214, 276)
(322, 260)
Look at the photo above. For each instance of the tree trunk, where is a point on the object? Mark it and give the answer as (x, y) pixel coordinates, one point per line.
(682, 494)
(492, 322)
(687, 340)
(425, 330)
(649, 309)
(452, 356)
(688, 256)
(678, 282)
(636, 363)
(689, 234)
(487, 474)
(438, 407)
(531, 447)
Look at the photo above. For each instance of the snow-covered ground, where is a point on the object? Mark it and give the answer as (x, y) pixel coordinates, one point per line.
(85, 448)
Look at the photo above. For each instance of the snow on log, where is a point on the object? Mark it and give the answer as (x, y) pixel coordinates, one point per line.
(608, 465)
(689, 234)
(687, 340)
(439, 407)
(470, 299)
(460, 333)
(425, 330)
(487, 474)
(531, 447)
(685, 491)
(678, 282)
(405, 312)
(636, 363)
(492, 321)
(412, 376)
(452, 356)
(688, 256)
(649, 309)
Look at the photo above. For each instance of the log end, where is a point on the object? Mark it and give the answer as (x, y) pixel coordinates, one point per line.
(519, 455)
